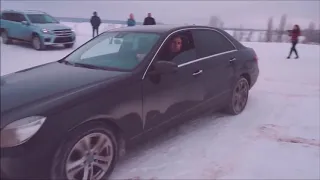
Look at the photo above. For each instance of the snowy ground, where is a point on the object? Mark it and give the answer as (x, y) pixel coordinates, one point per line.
(276, 137)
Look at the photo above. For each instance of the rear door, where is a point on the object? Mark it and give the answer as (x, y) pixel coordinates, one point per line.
(215, 54)
(10, 24)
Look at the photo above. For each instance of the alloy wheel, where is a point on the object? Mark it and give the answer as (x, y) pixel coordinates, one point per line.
(90, 158)
(36, 43)
(240, 96)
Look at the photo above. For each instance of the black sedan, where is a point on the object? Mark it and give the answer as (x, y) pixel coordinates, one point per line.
(74, 118)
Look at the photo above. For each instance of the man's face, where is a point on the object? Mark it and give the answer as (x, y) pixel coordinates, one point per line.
(176, 44)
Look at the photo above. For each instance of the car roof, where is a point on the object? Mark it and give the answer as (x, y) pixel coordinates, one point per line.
(158, 28)
(24, 11)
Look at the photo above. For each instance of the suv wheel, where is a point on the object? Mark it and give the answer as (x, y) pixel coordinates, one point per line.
(5, 38)
(89, 152)
(37, 43)
(239, 98)
(68, 45)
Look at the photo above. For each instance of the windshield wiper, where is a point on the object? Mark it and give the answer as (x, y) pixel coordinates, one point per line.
(88, 66)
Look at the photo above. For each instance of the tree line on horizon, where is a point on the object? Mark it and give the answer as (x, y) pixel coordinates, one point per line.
(310, 34)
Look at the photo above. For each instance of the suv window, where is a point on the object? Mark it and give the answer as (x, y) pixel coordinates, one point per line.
(7, 16)
(16, 17)
(178, 48)
(210, 42)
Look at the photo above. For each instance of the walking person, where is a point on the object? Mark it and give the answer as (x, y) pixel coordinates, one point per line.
(131, 21)
(149, 20)
(294, 33)
(95, 23)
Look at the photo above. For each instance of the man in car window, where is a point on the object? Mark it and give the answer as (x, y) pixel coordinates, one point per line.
(174, 48)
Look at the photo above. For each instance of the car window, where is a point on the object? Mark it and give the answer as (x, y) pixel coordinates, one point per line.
(41, 18)
(115, 50)
(19, 17)
(210, 42)
(8, 16)
(178, 48)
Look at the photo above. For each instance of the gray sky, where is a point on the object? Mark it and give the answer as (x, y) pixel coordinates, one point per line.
(251, 14)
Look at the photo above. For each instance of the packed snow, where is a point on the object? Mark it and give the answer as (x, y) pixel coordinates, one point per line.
(276, 137)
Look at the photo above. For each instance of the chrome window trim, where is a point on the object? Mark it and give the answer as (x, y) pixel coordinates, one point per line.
(193, 61)
(204, 58)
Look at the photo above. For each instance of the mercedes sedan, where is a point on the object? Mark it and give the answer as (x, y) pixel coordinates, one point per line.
(74, 118)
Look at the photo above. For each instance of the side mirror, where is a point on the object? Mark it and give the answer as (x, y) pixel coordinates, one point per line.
(25, 23)
(165, 67)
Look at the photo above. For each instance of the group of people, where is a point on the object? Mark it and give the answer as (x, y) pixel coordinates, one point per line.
(149, 20)
(96, 21)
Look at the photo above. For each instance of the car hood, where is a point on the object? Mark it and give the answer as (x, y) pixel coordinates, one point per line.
(52, 26)
(33, 84)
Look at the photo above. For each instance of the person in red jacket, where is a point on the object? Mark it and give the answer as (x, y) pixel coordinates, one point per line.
(294, 33)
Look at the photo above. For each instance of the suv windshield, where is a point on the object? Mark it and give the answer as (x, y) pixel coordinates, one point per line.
(115, 50)
(41, 19)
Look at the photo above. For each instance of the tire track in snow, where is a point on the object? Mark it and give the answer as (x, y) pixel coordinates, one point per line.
(272, 131)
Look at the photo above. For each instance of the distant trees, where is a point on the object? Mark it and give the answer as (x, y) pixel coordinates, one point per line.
(269, 30)
(249, 37)
(216, 22)
(282, 26)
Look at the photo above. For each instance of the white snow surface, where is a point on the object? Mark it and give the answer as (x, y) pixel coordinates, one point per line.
(276, 137)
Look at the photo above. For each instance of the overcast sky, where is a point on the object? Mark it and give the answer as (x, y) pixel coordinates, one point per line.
(251, 14)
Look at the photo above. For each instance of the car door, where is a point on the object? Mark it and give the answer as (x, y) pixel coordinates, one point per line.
(11, 25)
(169, 96)
(24, 31)
(215, 53)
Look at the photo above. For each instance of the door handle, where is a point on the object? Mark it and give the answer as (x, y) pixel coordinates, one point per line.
(197, 72)
(232, 59)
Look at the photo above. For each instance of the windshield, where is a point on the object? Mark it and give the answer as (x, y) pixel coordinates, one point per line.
(115, 50)
(41, 19)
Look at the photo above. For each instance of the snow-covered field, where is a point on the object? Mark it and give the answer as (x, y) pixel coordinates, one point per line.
(276, 137)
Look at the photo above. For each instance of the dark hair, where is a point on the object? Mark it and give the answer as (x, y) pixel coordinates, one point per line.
(298, 27)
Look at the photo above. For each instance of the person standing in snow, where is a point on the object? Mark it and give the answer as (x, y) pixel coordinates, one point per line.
(131, 21)
(95, 23)
(149, 20)
(294, 33)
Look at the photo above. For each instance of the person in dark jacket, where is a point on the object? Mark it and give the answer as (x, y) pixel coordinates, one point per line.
(294, 33)
(131, 21)
(95, 23)
(149, 20)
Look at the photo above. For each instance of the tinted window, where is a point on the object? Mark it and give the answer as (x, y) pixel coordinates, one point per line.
(41, 19)
(19, 18)
(8, 16)
(210, 42)
(186, 53)
(13, 17)
(115, 50)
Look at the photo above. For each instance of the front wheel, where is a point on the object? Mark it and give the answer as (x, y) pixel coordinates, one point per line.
(90, 152)
(37, 43)
(239, 97)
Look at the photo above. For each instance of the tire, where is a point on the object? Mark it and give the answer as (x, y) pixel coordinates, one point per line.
(67, 151)
(5, 38)
(37, 44)
(235, 106)
(68, 45)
